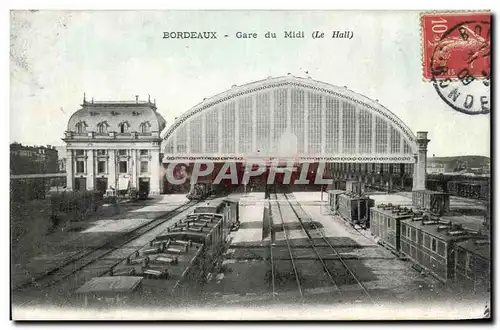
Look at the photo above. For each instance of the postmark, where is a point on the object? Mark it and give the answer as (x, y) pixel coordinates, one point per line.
(456, 59)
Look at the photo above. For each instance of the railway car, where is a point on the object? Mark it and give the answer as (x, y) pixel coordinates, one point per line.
(227, 207)
(199, 191)
(177, 263)
(333, 200)
(174, 265)
(385, 224)
(441, 247)
(110, 291)
(433, 201)
(469, 189)
(355, 209)
(472, 264)
(430, 243)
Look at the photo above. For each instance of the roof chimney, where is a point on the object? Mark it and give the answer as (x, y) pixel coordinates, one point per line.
(137, 99)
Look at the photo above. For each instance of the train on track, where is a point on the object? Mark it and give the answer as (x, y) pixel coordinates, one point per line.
(199, 191)
(470, 189)
(460, 185)
(423, 234)
(351, 204)
(174, 266)
(437, 245)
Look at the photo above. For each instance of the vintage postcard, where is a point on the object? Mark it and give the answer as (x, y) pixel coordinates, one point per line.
(250, 165)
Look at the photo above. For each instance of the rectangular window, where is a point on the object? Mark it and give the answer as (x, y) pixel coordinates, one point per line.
(245, 125)
(420, 237)
(122, 152)
(144, 167)
(80, 152)
(403, 229)
(395, 141)
(427, 241)
(101, 152)
(80, 166)
(388, 222)
(144, 152)
(441, 248)
(101, 167)
(211, 132)
(123, 167)
(413, 235)
(349, 126)
(182, 139)
(380, 135)
(434, 245)
(228, 120)
(461, 257)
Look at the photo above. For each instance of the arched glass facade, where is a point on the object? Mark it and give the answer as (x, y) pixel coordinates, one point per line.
(262, 118)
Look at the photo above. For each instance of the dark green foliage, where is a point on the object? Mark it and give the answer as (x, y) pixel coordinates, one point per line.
(75, 205)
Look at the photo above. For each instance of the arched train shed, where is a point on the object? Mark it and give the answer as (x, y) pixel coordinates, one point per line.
(301, 119)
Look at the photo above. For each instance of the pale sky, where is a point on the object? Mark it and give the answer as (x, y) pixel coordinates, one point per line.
(56, 56)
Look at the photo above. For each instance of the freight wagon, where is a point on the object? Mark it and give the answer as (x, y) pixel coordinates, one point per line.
(174, 266)
(472, 266)
(333, 200)
(472, 189)
(199, 191)
(432, 201)
(355, 187)
(355, 209)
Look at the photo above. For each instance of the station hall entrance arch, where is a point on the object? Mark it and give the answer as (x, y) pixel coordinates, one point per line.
(303, 120)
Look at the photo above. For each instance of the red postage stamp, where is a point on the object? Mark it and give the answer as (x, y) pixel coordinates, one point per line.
(455, 44)
(456, 58)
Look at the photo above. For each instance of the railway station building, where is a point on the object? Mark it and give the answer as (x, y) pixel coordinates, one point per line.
(114, 144)
(303, 120)
(312, 125)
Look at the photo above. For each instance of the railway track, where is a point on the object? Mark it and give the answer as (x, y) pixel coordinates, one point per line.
(90, 256)
(280, 269)
(303, 217)
(313, 276)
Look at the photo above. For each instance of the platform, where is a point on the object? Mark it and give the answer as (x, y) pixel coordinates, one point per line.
(137, 217)
(251, 211)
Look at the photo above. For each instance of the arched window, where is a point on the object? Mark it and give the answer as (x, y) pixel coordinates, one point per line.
(145, 127)
(102, 128)
(81, 127)
(124, 127)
